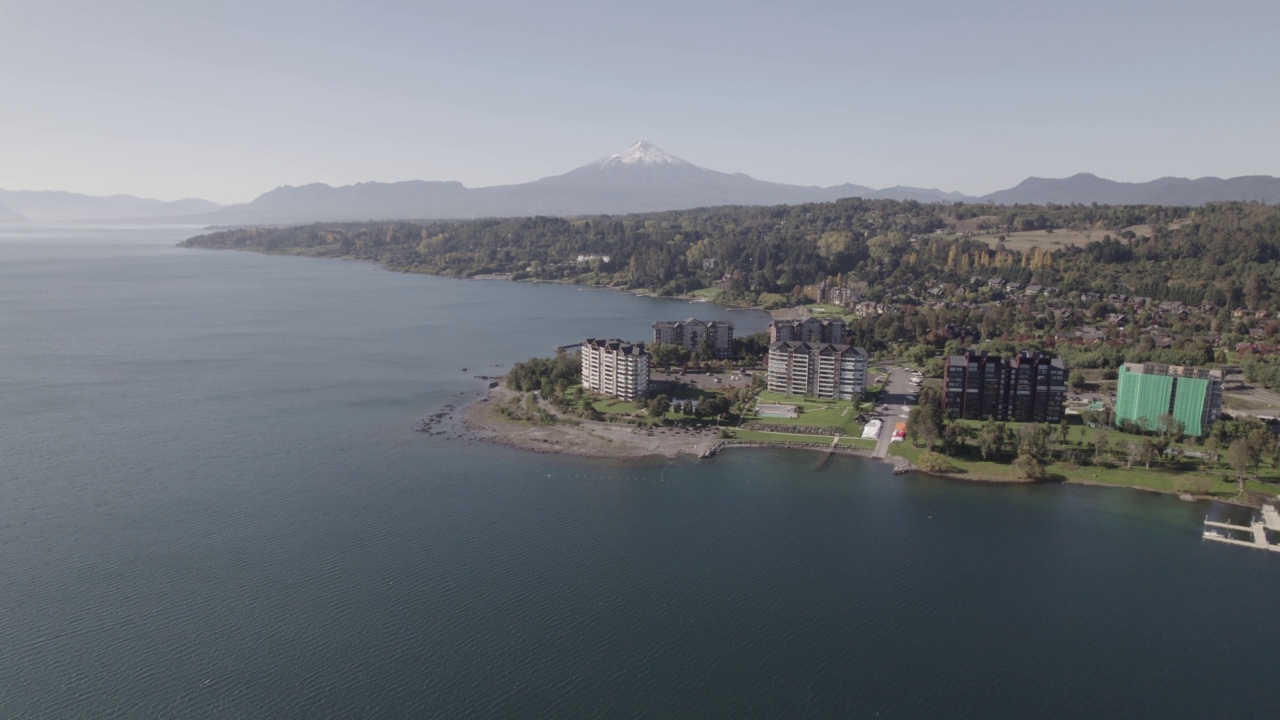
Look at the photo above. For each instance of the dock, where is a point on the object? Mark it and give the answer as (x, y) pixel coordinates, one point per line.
(827, 455)
(1268, 519)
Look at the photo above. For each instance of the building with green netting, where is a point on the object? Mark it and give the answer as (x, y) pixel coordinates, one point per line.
(1147, 393)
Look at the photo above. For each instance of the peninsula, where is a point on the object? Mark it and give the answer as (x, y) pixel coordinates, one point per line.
(1098, 289)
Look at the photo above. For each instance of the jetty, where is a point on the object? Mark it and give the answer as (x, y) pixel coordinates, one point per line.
(827, 455)
(1267, 519)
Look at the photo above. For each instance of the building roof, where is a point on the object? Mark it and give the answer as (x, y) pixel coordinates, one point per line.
(1179, 370)
(1015, 361)
(692, 320)
(621, 347)
(820, 348)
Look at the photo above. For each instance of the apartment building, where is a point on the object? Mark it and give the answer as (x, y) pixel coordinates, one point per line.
(615, 368)
(690, 333)
(811, 330)
(824, 370)
(1029, 387)
(1147, 392)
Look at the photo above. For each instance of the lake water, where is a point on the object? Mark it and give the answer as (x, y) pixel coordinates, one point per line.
(214, 506)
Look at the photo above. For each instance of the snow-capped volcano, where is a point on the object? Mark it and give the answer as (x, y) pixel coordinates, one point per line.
(645, 165)
(642, 153)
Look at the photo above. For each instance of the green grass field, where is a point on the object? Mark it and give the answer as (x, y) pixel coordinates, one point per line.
(610, 406)
(779, 437)
(1188, 478)
(816, 413)
(823, 310)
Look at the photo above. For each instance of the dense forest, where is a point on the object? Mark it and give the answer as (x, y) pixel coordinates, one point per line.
(1220, 255)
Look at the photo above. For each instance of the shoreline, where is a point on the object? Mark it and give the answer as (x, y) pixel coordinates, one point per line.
(488, 277)
(618, 441)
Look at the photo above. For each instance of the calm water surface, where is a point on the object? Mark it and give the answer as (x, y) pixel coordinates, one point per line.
(213, 505)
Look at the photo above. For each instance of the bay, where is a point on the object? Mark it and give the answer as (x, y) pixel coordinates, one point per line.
(212, 504)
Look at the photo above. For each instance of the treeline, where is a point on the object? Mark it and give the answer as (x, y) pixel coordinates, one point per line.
(1221, 253)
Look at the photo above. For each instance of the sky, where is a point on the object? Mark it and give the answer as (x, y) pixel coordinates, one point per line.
(226, 100)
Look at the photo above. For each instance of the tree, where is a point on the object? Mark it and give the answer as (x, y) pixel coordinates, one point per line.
(1172, 430)
(716, 405)
(706, 351)
(1240, 458)
(833, 243)
(953, 438)
(668, 354)
(1033, 440)
(925, 422)
(1078, 381)
(992, 439)
(658, 406)
(1258, 440)
(1101, 442)
(1028, 467)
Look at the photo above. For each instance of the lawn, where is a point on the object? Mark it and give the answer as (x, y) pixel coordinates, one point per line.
(779, 437)
(816, 413)
(1023, 241)
(1188, 478)
(610, 406)
(824, 310)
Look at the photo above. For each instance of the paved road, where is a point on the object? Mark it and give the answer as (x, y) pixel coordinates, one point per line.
(899, 392)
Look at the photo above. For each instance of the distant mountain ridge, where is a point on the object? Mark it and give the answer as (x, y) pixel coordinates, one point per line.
(9, 216)
(642, 178)
(645, 178)
(59, 206)
(1087, 188)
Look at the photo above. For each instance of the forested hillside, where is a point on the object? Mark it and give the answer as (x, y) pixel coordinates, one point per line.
(1220, 254)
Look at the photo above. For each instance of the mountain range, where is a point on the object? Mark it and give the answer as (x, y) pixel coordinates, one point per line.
(642, 178)
(58, 206)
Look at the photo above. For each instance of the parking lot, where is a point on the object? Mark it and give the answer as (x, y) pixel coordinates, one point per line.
(706, 381)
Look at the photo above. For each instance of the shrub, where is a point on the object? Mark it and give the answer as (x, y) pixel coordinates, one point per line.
(931, 461)
(1029, 468)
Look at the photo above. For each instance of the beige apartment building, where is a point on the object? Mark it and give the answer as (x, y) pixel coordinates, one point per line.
(691, 332)
(823, 370)
(615, 368)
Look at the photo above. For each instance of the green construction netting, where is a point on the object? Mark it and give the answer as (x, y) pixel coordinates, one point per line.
(1143, 398)
(1188, 403)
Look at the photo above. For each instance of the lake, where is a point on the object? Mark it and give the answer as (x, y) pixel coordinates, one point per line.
(214, 505)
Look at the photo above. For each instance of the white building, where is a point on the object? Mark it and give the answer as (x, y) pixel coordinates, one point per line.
(615, 368)
(824, 370)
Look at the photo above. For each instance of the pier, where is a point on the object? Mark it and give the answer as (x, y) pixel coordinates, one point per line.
(827, 455)
(1268, 519)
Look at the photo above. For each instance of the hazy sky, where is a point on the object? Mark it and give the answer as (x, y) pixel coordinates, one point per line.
(225, 100)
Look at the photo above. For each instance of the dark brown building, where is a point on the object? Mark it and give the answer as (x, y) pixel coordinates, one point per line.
(1029, 387)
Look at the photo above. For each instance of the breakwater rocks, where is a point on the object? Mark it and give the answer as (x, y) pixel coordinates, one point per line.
(900, 465)
(431, 424)
(711, 450)
(794, 429)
